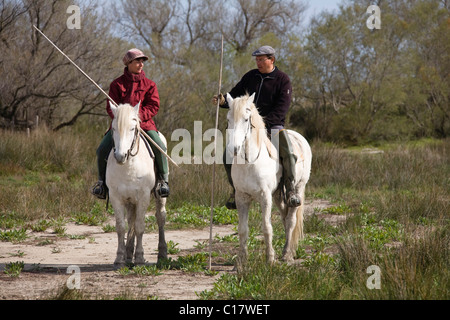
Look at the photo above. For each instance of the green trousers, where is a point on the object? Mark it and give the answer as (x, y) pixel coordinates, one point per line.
(106, 146)
(288, 159)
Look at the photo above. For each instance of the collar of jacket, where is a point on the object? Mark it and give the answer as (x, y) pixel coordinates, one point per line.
(132, 77)
(270, 75)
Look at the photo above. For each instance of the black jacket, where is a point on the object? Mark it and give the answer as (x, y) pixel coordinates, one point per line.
(273, 94)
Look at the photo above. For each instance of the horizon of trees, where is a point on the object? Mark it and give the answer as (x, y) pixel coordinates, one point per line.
(350, 84)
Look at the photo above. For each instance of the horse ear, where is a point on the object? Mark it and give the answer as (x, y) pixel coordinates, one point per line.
(136, 107)
(113, 108)
(229, 99)
(251, 98)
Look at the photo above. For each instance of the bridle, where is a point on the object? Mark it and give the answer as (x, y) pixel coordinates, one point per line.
(135, 141)
(247, 132)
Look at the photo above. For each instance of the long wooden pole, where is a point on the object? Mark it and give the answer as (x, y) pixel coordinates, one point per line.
(102, 91)
(213, 180)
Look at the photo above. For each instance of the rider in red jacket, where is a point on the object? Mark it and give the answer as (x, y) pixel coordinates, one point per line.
(134, 87)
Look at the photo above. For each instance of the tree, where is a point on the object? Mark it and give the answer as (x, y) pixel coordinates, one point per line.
(356, 77)
(427, 64)
(244, 21)
(38, 80)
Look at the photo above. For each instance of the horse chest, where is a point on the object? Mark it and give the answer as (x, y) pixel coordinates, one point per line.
(129, 176)
(252, 178)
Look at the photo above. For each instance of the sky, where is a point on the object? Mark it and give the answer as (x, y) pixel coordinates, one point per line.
(316, 6)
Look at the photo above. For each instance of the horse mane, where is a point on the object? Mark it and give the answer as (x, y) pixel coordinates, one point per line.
(123, 114)
(256, 120)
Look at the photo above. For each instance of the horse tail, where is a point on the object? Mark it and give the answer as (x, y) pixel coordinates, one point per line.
(132, 221)
(297, 233)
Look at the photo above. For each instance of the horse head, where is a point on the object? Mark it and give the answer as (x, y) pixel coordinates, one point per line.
(239, 123)
(245, 125)
(125, 129)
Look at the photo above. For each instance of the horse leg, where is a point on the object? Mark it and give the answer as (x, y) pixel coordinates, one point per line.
(139, 227)
(266, 210)
(290, 220)
(131, 217)
(120, 229)
(243, 205)
(161, 220)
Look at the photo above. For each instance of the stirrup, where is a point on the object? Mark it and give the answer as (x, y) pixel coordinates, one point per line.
(99, 190)
(231, 203)
(162, 189)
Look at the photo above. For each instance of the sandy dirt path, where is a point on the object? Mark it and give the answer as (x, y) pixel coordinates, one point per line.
(47, 257)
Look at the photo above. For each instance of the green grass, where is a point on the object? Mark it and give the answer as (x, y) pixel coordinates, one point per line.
(394, 207)
(14, 269)
(139, 271)
(13, 235)
(193, 216)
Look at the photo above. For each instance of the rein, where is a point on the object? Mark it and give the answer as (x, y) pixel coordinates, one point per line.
(249, 130)
(136, 138)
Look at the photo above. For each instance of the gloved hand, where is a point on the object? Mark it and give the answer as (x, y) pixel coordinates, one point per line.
(221, 99)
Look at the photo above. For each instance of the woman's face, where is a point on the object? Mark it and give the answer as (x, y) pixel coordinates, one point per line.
(136, 65)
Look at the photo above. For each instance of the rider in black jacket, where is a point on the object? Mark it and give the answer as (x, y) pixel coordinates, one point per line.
(273, 97)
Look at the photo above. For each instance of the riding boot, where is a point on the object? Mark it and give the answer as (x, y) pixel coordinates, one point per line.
(231, 202)
(162, 166)
(99, 189)
(289, 159)
(162, 186)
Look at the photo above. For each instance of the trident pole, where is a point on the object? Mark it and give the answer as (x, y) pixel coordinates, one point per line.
(102, 91)
(213, 180)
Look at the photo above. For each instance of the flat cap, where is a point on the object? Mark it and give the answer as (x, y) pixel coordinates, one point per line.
(263, 51)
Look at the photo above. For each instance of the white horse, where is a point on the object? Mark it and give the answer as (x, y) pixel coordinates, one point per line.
(130, 177)
(256, 175)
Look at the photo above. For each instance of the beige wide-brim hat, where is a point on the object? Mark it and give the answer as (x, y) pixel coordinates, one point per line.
(132, 55)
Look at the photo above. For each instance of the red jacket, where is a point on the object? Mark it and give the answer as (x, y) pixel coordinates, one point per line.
(132, 88)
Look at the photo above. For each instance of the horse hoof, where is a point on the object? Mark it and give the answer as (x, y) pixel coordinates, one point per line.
(162, 257)
(119, 265)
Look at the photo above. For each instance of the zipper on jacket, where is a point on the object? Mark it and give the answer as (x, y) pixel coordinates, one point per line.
(260, 86)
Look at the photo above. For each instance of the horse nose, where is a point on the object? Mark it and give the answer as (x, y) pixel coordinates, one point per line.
(120, 158)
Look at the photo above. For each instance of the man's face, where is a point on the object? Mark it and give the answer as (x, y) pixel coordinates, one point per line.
(264, 64)
(136, 65)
